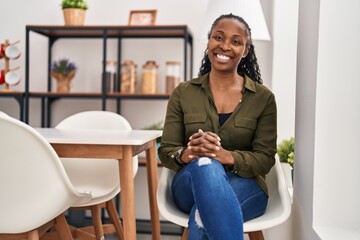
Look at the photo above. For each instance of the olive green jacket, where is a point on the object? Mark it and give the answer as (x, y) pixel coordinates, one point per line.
(249, 133)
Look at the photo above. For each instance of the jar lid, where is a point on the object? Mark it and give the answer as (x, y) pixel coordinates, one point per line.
(150, 64)
(110, 62)
(173, 62)
(128, 63)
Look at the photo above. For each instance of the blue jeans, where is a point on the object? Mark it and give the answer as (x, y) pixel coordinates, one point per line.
(218, 202)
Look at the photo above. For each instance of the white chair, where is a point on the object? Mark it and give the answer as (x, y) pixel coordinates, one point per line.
(3, 114)
(99, 176)
(35, 190)
(278, 209)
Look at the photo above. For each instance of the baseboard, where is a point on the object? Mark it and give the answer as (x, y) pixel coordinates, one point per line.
(79, 219)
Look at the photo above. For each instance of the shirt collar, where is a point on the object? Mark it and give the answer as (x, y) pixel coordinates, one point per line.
(204, 82)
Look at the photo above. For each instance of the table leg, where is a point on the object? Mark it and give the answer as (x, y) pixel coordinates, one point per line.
(127, 194)
(152, 177)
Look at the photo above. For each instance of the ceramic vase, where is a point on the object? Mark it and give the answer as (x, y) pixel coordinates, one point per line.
(63, 82)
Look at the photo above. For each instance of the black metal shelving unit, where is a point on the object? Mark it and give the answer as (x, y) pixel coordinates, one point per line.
(53, 33)
(19, 97)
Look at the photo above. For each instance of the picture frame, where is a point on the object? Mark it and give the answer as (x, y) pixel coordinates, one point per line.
(142, 17)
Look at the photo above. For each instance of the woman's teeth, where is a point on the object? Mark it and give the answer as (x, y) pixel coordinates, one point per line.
(222, 57)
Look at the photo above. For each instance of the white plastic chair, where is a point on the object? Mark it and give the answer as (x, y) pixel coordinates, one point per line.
(278, 209)
(3, 114)
(35, 190)
(99, 176)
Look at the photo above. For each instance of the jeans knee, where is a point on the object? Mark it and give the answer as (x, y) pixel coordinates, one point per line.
(198, 219)
(203, 161)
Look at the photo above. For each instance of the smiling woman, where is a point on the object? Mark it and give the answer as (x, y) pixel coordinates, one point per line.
(223, 143)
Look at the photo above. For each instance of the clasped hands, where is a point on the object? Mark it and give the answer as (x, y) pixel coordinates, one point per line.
(206, 144)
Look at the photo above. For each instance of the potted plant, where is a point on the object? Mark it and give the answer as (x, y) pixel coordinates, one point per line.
(74, 12)
(63, 71)
(156, 126)
(285, 151)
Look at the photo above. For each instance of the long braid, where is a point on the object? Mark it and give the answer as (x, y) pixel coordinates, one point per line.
(248, 65)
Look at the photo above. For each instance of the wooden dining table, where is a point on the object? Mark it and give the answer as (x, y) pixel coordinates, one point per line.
(120, 145)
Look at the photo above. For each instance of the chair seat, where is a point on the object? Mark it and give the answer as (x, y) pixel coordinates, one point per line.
(85, 176)
(278, 209)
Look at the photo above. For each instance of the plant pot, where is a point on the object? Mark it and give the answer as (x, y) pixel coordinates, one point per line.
(74, 16)
(63, 82)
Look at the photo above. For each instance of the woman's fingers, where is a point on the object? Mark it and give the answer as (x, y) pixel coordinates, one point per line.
(204, 139)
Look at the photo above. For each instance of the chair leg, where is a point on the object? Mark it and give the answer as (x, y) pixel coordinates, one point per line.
(258, 235)
(33, 235)
(62, 228)
(185, 234)
(115, 219)
(96, 218)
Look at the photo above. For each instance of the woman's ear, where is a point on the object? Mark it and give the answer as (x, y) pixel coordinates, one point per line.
(245, 52)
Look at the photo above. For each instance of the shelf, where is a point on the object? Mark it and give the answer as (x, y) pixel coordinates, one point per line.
(18, 96)
(142, 162)
(98, 95)
(138, 96)
(53, 33)
(158, 31)
(10, 93)
(64, 95)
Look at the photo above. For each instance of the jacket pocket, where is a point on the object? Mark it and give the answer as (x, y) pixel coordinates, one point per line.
(194, 118)
(246, 123)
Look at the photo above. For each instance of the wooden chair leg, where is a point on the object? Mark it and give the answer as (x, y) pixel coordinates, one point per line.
(62, 228)
(185, 234)
(258, 235)
(33, 235)
(96, 217)
(115, 219)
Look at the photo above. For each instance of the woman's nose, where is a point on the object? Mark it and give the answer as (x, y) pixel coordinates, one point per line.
(225, 45)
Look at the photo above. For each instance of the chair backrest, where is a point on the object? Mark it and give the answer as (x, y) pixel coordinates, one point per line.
(3, 114)
(278, 209)
(165, 200)
(279, 205)
(34, 186)
(95, 120)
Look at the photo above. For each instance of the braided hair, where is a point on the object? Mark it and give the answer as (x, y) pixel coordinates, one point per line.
(248, 65)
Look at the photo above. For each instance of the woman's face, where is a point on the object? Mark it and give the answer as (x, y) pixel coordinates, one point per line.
(227, 45)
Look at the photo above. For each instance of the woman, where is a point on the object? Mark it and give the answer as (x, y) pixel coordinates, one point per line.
(220, 136)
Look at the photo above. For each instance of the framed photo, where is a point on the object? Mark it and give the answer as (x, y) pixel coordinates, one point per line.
(142, 17)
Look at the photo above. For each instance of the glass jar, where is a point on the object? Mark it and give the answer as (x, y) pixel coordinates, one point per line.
(172, 75)
(150, 78)
(128, 77)
(110, 75)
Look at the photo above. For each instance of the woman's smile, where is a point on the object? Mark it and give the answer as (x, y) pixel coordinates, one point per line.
(222, 57)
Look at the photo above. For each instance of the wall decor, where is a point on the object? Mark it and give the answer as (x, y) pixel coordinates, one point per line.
(142, 17)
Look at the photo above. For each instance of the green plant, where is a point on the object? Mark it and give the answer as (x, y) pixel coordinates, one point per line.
(156, 126)
(74, 4)
(285, 151)
(63, 66)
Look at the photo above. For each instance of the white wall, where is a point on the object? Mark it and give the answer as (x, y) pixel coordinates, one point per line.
(326, 195)
(284, 38)
(337, 135)
(284, 64)
(305, 119)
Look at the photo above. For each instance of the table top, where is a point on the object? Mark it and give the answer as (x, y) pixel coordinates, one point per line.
(97, 136)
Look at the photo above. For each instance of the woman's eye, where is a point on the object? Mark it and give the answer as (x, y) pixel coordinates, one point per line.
(217, 37)
(237, 42)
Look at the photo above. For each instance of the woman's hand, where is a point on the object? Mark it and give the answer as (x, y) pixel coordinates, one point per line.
(206, 144)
